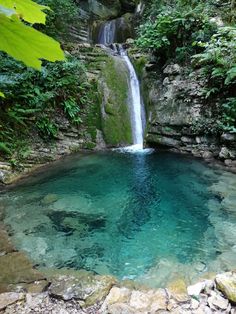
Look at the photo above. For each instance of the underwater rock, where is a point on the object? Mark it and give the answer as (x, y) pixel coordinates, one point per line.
(50, 199)
(226, 283)
(5, 245)
(16, 269)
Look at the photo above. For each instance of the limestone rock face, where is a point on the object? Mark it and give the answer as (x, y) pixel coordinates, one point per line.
(227, 284)
(177, 115)
(105, 9)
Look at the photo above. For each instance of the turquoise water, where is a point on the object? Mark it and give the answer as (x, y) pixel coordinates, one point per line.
(136, 216)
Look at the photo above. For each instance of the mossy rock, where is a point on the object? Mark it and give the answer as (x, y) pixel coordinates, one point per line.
(105, 9)
(114, 88)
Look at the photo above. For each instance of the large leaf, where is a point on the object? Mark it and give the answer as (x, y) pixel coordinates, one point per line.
(26, 44)
(26, 9)
(2, 95)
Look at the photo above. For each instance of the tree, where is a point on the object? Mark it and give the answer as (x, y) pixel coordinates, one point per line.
(20, 40)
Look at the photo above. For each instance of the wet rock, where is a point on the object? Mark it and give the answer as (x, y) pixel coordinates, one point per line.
(81, 285)
(178, 290)
(5, 244)
(226, 283)
(9, 298)
(15, 269)
(37, 286)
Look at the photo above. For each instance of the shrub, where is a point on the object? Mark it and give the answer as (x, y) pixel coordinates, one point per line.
(218, 68)
(173, 31)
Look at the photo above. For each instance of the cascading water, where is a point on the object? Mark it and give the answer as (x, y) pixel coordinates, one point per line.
(135, 102)
(106, 37)
(107, 33)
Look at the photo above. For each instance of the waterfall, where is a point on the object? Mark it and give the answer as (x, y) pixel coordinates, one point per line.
(107, 33)
(107, 37)
(135, 102)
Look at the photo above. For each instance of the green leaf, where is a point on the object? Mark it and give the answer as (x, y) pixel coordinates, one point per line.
(231, 75)
(2, 95)
(26, 44)
(7, 12)
(28, 10)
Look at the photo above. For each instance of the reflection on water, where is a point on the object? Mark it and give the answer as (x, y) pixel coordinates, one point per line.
(141, 216)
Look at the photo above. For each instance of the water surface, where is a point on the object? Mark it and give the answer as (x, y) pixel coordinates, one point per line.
(147, 217)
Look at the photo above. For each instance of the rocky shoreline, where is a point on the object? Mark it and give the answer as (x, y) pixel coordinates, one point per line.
(25, 290)
(66, 295)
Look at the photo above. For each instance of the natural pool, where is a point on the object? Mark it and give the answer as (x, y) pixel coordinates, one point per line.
(149, 217)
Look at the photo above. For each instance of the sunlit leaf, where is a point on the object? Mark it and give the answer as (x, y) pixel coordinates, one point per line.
(5, 11)
(28, 10)
(26, 44)
(2, 95)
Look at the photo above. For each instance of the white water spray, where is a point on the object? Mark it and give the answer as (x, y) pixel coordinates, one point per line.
(106, 37)
(135, 103)
(107, 33)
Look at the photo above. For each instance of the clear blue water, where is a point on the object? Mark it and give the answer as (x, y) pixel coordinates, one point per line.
(136, 216)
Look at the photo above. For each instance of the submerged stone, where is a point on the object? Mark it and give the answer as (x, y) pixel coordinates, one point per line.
(5, 244)
(50, 199)
(16, 269)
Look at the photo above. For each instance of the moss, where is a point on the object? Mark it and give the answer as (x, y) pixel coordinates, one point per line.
(139, 61)
(116, 123)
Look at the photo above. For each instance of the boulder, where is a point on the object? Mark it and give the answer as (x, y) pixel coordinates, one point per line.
(81, 285)
(50, 199)
(226, 283)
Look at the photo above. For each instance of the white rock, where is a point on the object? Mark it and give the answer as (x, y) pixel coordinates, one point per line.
(194, 304)
(196, 289)
(216, 301)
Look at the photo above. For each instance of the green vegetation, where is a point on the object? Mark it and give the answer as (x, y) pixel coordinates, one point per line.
(218, 68)
(186, 32)
(32, 45)
(115, 104)
(34, 100)
(62, 16)
(172, 30)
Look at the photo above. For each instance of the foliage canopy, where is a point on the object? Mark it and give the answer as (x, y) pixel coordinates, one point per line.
(22, 41)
